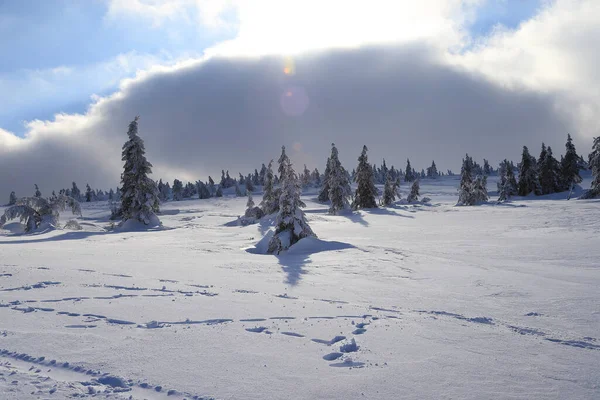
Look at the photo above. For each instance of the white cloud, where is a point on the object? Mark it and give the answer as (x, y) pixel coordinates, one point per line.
(554, 52)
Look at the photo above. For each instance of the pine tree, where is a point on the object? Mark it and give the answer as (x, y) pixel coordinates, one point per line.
(364, 196)
(270, 201)
(219, 192)
(262, 174)
(487, 170)
(465, 192)
(413, 197)
(480, 193)
(570, 166)
(291, 224)
(111, 195)
(594, 165)
(238, 191)
(12, 199)
(339, 186)
(507, 185)
(139, 195)
(549, 170)
(409, 174)
(324, 193)
(88, 193)
(315, 177)
(528, 179)
(432, 171)
(203, 192)
(305, 177)
(75, 192)
(177, 190)
(37, 191)
(249, 183)
(389, 191)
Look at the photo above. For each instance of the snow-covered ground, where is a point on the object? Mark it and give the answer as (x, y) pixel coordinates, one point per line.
(411, 302)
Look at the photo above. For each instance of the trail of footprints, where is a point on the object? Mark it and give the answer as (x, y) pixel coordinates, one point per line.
(346, 345)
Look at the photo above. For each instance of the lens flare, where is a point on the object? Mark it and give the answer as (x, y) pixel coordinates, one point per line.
(289, 66)
(294, 101)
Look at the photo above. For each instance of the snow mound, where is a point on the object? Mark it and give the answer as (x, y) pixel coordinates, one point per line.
(15, 228)
(307, 245)
(133, 225)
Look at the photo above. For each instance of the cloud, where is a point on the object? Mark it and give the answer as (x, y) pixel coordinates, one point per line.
(408, 92)
(234, 113)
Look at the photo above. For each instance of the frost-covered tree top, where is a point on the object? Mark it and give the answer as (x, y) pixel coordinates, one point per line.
(139, 194)
(364, 196)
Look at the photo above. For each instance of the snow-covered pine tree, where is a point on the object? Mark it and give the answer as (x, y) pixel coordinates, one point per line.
(75, 192)
(37, 191)
(203, 192)
(291, 224)
(249, 183)
(480, 193)
(270, 201)
(111, 195)
(88, 193)
(305, 177)
(339, 186)
(594, 165)
(139, 194)
(432, 171)
(409, 174)
(12, 199)
(315, 177)
(570, 166)
(211, 186)
(177, 190)
(413, 197)
(219, 192)
(549, 170)
(324, 193)
(507, 184)
(465, 190)
(487, 170)
(389, 191)
(528, 178)
(366, 191)
(238, 191)
(262, 174)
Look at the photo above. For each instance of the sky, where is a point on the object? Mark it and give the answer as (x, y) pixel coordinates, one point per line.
(223, 84)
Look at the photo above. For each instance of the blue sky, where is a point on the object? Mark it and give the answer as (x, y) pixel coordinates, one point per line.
(56, 54)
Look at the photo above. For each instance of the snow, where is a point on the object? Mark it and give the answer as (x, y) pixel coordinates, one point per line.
(484, 302)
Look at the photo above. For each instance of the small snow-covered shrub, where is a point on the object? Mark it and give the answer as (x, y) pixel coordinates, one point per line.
(73, 225)
(35, 212)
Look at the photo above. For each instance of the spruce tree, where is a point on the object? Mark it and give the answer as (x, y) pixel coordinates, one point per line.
(305, 177)
(487, 170)
(465, 191)
(111, 195)
(75, 192)
(594, 165)
(37, 191)
(364, 196)
(238, 191)
(88, 193)
(219, 192)
(291, 224)
(507, 185)
(413, 196)
(480, 193)
(177, 190)
(270, 201)
(548, 171)
(12, 199)
(316, 178)
(139, 195)
(409, 174)
(249, 183)
(570, 166)
(324, 193)
(432, 171)
(389, 191)
(211, 186)
(262, 174)
(203, 192)
(338, 183)
(528, 178)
